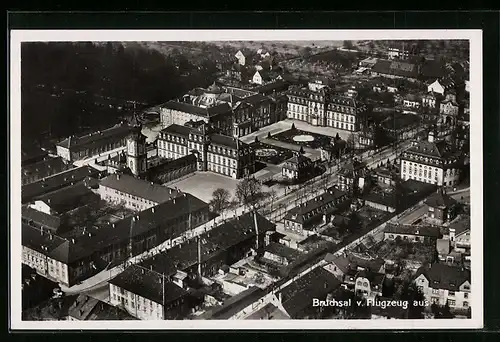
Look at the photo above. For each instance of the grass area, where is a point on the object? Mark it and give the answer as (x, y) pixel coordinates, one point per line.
(293, 136)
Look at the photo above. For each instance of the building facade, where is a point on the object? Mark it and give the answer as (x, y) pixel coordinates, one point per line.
(322, 108)
(431, 162)
(297, 167)
(216, 152)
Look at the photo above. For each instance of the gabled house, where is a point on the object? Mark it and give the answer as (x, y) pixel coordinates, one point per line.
(412, 233)
(297, 167)
(240, 57)
(440, 86)
(440, 206)
(443, 284)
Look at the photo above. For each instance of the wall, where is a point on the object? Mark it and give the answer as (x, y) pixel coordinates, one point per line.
(135, 305)
(130, 202)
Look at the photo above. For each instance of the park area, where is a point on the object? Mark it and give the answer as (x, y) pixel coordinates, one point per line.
(302, 138)
(270, 154)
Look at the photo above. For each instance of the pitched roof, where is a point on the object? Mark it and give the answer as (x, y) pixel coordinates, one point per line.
(177, 129)
(440, 199)
(353, 260)
(87, 141)
(82, 307)
(186, 108)
(139, 188)
(212, 243)
(46, 167)
(432, 69)
(397, 68)
(461, 224)
(234, 304)
(446, 277)
(30, 152)
(148, 284)
(282, 250)
(40, 218)
(57, 181)
(69, 198)
(299, 295)
(226, 141)
(408, 229)
(303, 212)
(443, 246)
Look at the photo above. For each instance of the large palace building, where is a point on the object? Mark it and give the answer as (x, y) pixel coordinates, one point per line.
(215, 152)
(319, 106)
(233, 111)
(433, 162)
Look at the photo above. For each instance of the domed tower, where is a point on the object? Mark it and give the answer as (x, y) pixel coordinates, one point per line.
(136, 149)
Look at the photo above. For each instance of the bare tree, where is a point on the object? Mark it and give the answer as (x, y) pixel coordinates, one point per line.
(273, 196)
(220, 200)
(351, 143)
(249, 192)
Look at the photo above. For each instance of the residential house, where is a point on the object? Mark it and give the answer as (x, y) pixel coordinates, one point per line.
(459, 233)
(387, 201)
(449, 111)
(444, 284)
(441, 86)
(297, 167)
(430, 100)
(412, 233)
(86, 308)
(352, 176)
(30, 154)
(298, 297)
(279, 255)
(44, 168)
(411, 102)
(304, 216)
(401, 126)
(368, 62)
(240, 57)
(441, 207)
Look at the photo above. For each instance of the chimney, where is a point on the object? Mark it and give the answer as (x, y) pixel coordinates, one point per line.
(133, 218)
(153, 210)
(113, 225)
(117, 176)
(150, 267)
(73, 241)
(173, 201)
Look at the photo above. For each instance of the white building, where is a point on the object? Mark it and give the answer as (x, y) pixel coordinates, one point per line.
(443, 284)
(240, 57)
(431, 162)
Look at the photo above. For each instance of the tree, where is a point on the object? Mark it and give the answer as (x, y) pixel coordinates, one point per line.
(220, 200)
(273, 195)
(293, 127)
(347, 44)
(256, 139)
(268, 135)
(301, 151)
(249, 192)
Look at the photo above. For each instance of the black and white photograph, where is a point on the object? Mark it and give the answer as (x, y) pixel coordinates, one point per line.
(317, 179)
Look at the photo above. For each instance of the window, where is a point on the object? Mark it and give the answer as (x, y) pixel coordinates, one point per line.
(451, 293)
(435, 291)
(451, 302)
(466, 295)
(466, 304)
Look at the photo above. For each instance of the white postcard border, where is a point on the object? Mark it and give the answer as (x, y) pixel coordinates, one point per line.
(476, 158)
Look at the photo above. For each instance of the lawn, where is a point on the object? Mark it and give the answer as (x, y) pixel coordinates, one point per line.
(270, 154)
(302, 138)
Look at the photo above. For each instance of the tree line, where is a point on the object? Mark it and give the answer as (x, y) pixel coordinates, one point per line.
(66, 86)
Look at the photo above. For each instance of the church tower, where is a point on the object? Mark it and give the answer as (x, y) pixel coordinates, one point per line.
(136, 150)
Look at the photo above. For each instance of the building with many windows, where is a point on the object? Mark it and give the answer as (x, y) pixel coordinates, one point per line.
(442, 284)
(135, 194)
(91, 145)
(297, 167)
(321, 107)
(433, 162)
(216, 152)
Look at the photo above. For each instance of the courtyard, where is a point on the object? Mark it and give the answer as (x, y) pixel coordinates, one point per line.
(270, 154)
(302, 138)
(203, 184)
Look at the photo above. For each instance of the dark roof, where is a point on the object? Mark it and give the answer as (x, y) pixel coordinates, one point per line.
(440, 199)
(82, 307)
(400, 121)
(222, 108)
(256, 99)
(298, 158)
(299, 295)
(55, 182)
(349, 168)
(69, 198)
(461, 225)
(52, 245)
(442, 276)
(235, 304)
(118, 131)
(186, 108)
(282, 250)
(106, 312)
(140, 188)
(148, 284)
(212, 243)
(46, 167)
(177, 129)
(303, 212)
(40, 218)
(30, 152)
(226, 141)
(387, 199)
(433, 69)
(169, 165)
(352, 261)
(431, 149)
(408, 229)
(278, 85)
(397, 68)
